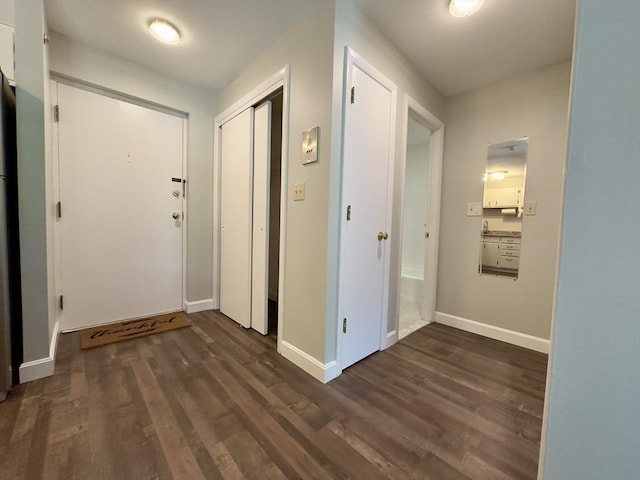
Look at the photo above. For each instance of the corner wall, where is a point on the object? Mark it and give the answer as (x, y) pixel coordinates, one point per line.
(354, 30)
(308, 48)
(534, 104)
(592, 422)
(35, 205)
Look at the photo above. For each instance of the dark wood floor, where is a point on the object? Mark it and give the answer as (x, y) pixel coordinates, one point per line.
(216, 401)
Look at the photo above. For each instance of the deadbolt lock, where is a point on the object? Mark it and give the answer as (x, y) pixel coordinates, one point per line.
(382, 236)
(176, 193)
(176, 216)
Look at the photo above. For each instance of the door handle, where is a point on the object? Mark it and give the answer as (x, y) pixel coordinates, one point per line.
(176, 216)
(382, 236)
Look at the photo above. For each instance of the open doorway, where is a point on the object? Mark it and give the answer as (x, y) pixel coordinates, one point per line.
(420, 219)
(415, 226)
(275, 187)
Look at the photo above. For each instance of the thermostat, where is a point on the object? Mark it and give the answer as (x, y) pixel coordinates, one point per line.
(310, 145)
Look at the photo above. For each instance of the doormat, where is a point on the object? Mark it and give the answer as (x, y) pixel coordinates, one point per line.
(116, 332)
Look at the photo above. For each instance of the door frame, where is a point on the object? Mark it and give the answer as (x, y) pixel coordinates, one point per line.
(280, 79)
(436, 152)
(56, 238)
(354, 59)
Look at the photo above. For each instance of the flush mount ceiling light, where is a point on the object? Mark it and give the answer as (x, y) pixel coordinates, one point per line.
(464, 8)
(497, 175)
(164, 31)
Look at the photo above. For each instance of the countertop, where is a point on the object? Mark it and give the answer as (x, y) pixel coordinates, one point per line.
(501, 233)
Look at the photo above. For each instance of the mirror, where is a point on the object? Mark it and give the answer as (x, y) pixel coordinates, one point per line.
(502, 208)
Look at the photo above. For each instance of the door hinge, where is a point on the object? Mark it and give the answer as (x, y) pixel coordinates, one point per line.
(56, 113)
(59, 209)
(61, 302)
(349, 213)
(353, 94)
(344, 325)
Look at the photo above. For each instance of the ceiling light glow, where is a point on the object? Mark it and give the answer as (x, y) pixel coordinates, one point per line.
(164, 31)
(464, 8)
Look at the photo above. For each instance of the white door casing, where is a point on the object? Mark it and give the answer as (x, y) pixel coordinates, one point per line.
(236, 185)
(260, 247)
(244, 213)
(432, 221)
(367, 188)
(121, 251)
(265, 88)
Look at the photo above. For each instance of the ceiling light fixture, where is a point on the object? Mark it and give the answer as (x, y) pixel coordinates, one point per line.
(464, 8)
(164, 31)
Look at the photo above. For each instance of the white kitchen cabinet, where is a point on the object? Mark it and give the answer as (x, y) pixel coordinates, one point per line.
(6, 52)
(500, 253)
(490, 251)
(509, 262)
(502, 197)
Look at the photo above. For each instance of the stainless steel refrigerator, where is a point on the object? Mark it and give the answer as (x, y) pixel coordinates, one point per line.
(10, 318)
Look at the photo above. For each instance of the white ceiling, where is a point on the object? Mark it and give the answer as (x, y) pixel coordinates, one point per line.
(504, 38)
(219, 37)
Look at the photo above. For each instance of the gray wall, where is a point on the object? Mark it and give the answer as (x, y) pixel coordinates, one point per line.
(85, 63)
(534, 104)
(593, 419)
(354, 30)
(315, 50)
(36, 208)
(308, 48)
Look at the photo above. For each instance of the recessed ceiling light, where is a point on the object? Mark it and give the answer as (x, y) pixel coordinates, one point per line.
(464, 8)
(164, 31)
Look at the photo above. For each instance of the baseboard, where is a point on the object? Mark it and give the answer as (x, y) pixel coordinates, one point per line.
(318, 370)
(198, 306)
(497, 333)
(43, 367)
(390, 339)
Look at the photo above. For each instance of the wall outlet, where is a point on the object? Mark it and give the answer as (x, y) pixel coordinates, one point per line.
(530, 208)
(474, 209)
(298, 192)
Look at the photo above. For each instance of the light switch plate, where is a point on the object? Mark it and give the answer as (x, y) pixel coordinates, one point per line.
(310, 145)
(530, 208)
(474, 209)
(298, 192)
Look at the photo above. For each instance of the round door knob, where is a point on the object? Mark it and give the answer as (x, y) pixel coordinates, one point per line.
(382, 236)
(176, 216)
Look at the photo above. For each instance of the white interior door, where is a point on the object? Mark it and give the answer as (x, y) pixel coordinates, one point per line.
(366, 193)
(236, 204)
(260, 247)
(121, 248)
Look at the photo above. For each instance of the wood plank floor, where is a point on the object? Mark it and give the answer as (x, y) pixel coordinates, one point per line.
(216, 401)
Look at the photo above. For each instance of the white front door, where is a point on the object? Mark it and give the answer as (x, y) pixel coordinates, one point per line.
(120, 188)
(366, 194)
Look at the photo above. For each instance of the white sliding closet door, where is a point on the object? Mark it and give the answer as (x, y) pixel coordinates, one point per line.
(260, 248)
(236, 217)
(244, 215)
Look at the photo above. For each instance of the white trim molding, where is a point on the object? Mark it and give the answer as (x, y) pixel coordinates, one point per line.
(318, 370)
(43, 367)
(198, 306)
(391, 338)
(497, 333)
